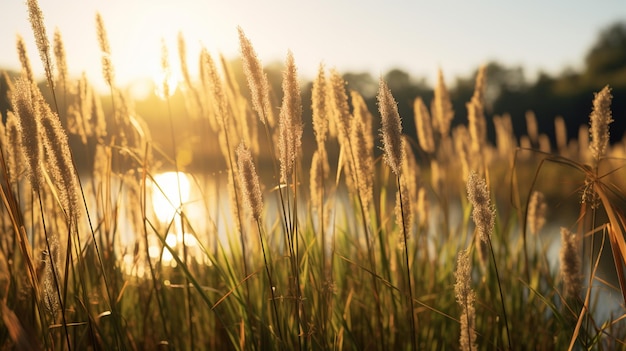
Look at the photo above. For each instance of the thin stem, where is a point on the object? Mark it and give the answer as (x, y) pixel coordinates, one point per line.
(495, 266)
(408, 269)
(269, 278)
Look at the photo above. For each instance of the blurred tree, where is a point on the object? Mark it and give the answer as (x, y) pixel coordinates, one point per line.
(608, 54)
(362, 82)
(5, 103)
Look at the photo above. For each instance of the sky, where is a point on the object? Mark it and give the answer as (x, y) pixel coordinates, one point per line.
(349, 35)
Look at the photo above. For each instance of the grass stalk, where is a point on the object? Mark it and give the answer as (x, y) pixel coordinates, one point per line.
(409, 293)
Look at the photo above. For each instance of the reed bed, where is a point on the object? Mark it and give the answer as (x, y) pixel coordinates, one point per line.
(350, 242)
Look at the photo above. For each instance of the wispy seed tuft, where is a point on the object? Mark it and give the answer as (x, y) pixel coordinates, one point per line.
(249, 181)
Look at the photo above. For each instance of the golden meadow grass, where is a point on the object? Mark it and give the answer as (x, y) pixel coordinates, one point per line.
(321, 238)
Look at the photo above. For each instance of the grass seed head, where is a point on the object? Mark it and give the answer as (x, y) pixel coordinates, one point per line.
(536, 212)
(103, 41)
(249, 181)
(257, 79)
(599, 120)
(483, 213)
(424, 126)
(570, 264)
(391, 130)
(27, 70)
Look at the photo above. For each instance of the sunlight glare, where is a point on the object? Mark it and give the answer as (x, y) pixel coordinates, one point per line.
(172, 78)
(165, 196)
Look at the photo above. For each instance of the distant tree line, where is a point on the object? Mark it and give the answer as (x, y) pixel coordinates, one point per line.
(568, 94)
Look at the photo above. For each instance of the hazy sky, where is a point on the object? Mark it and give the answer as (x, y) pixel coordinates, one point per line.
(373, 35)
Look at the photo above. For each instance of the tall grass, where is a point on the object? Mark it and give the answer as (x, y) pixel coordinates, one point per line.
(300, 245)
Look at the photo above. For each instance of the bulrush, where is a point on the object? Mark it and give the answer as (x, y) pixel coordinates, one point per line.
(391, 130)
(423, 126)
(257, 80)
(465, 298)
(103, 41)
(599, 120)
(570, 264)
(483, 213)
(249, 181)
(290, 120)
